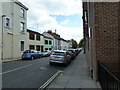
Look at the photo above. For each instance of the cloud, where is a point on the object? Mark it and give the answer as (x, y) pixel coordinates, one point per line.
(65, 22)
(40, 19)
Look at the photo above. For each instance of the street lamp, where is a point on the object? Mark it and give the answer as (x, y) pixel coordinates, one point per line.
(2, 34)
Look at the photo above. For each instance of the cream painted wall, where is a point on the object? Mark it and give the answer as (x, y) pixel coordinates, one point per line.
(12, 35)
(0, 44)
(0, 29)
(35, 42)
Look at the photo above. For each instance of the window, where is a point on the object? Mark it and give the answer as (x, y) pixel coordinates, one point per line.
(46, 48)
(50, 42)
(31, 36)
(38, 47)
(22, 25)
(7, 22)
(31, 47)
(22, 12)
(38, 37)
(22, 45)
(50, 48)
(86, 19)
(46, 41)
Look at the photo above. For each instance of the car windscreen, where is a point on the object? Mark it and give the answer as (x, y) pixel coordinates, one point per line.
(27, 51)
(58, 53)
(70, 51)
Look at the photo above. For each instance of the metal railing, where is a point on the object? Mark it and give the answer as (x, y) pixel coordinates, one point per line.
(107, 79)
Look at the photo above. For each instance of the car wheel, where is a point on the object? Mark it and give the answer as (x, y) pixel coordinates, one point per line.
(50, 63)
(40, 56)
(66, 64)
(32, 57)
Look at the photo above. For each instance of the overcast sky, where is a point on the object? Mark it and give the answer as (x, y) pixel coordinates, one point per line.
(63, 15)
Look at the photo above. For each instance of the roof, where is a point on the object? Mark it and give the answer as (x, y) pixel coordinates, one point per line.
(55, 35)
(48, 37)
(28, 30)
(64, 40)
(20, 4)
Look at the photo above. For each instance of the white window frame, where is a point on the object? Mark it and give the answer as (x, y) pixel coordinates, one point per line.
(22, 49)
(9, 23)
(22, 28)
(86, 19)
(22, 12)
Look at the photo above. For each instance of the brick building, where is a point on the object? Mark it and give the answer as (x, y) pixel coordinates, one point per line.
(101, 24)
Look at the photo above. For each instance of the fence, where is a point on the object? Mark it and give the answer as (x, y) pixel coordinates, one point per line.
(107, 80)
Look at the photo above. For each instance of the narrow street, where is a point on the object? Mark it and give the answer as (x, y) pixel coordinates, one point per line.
(28, 73)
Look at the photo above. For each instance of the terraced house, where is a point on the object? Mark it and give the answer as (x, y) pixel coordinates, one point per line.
(56, 39)
(14, 28)
(59, 43)
(35, 40)
(48, 43)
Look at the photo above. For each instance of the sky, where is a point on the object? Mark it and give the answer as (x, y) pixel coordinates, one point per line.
(63, 15)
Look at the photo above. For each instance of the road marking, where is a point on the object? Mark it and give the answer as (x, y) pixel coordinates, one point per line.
(43, 68)
(16, 69)
(49, 81)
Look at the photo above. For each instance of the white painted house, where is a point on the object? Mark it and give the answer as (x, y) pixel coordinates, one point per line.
(14, 28)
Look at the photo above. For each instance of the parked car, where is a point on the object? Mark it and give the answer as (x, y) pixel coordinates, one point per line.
(72, 53)
(30, 54)
(46, 53)
(60, 56)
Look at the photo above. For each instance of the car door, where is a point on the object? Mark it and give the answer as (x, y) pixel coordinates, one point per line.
(68, 56)
(36, 54)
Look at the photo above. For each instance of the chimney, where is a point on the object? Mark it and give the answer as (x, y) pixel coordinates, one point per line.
(49, 31)
(55, 30)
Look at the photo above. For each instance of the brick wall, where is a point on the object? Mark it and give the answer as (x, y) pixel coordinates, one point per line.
(106, 32)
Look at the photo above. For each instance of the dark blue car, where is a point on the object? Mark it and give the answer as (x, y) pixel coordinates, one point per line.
(30, 54)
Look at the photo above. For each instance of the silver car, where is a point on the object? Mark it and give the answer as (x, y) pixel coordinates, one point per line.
(60, 56)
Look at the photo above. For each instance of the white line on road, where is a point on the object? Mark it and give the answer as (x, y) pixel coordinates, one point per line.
(49, 81)
(16, 69)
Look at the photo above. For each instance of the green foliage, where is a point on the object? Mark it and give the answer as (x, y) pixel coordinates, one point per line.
(81, 43)
(74, 43)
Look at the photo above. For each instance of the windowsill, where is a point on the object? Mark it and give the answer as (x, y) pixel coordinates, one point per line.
(21, 51)
(10, 33)
(22, 17)
(7, 27)
(22, 32)
(31, 39)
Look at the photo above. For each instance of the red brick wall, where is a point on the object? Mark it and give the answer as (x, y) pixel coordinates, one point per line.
(106, 32)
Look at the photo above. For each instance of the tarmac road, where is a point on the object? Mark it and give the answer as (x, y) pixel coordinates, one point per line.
(28, 73)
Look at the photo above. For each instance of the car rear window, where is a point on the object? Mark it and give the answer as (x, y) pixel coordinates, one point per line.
(27, 51)
(70, 51)
(58, 53)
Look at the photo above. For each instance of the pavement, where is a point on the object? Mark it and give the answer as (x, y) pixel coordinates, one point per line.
(9, 60)
(77, 75)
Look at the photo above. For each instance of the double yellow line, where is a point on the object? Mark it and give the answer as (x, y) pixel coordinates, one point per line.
(49, 81)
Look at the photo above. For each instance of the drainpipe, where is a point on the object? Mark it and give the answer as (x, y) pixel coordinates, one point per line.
(2, 35)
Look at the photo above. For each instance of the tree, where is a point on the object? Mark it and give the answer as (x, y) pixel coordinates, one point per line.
(81, 43)
(74, 43)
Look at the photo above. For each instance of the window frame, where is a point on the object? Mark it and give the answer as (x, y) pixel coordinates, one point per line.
(37, 35)
(45, 41)
(32, 48)
(22, 48)
(50, 42)
(22, 28)
(31, 35)
(9, 22)
(37, 48)
(22, 12)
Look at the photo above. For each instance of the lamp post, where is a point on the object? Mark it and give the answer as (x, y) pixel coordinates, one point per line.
(2, 34)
